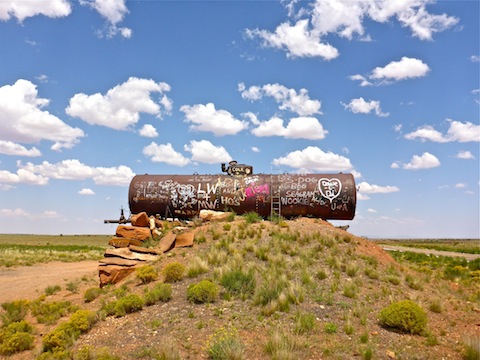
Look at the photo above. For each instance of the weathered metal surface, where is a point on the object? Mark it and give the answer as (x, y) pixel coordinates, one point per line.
(325, 196)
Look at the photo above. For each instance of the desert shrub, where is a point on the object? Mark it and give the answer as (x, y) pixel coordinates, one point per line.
(330, 328)
(405, 315)
(92, 293)
(173, 272)
(304, 322)
(282, 345)
(50, 290)
(252, 217)
(14, 311)
(413, 282)
(128, 304)
(226, 345)
(161, 292)
(49, 312)
(16, 337)
(203, 292)
(63, 336)
(196, 267)
(146, 274)
(471, 349)
(238, 282)
(89, 353)
(436, 306)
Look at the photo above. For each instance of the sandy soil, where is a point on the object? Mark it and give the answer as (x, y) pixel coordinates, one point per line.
(28, 282)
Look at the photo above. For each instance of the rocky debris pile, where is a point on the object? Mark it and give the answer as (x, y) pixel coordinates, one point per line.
(131, 245)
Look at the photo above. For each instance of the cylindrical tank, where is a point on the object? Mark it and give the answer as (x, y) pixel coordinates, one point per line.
(325, 196)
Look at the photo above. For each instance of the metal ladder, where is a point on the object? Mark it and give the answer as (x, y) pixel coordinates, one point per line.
(275, 198)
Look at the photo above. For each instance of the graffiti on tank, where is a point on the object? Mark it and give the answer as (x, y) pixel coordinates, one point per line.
(257, 190)
(330, 188)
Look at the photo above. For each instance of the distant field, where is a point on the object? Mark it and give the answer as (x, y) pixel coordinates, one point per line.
(469, 246)
(23, 249)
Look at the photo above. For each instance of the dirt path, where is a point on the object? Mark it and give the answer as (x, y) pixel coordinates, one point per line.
(469, 257)
(29, 282)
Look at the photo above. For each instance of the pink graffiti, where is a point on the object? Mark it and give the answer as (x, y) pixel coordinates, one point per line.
(256, 189)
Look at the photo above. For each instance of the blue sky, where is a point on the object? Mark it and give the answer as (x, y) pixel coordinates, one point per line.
(94, 92)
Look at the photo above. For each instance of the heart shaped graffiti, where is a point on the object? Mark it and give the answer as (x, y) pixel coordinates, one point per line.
(329, 188)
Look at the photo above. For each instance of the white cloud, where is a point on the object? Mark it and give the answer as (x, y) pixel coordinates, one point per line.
(466, 155)
(314, 159)
(14, 213)
(165, 153)
(424, 161)
(406, 68)
(86, 191)
(360, 106)
(475, 58)
(345, 18)
(367, 188)
(460, 186)
(11, 148)
(288, 99)
(149, 131)
(296, 40)
(114, 12)
(426, 133)
(370, 210)
(458, 131)
(120, 108)
(297, 128)
(207, 118)
(204, 151)
(22, 118)
(255, 149)
(24, 9)
(75, 170)
(22, 177)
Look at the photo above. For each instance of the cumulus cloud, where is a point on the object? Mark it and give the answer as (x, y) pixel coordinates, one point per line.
(360, 106)
(313, 158)
(424, 161)
(466, 155)
(297, 128)
(346, 18)
(73, 169)
(86, 191)
(367, 188)
(165, 153)
(297, 40)
(22, 176)
(406, 68)
(11, 148)
(24, 120)
(207, 118)
(23, 214)
(204, 151)
(458, 131)
(121, 106)
(149, 131)
(114, 12)
(288, 99)
(25, 9)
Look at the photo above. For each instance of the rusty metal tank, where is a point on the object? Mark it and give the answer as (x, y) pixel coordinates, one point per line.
(325, 196)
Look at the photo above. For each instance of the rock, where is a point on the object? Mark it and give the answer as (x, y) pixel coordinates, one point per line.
(112, 274)
(133, 232)
(125, 253)
(180, 229)
(156, 222)
(118, 242)
(144, 250)
(140, 219)
(390, 354)
(118, 261)
(185, 239)
(167, 242)
(211, 215)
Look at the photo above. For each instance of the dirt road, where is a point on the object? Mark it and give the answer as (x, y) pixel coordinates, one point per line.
(29, 282)
(469, 257)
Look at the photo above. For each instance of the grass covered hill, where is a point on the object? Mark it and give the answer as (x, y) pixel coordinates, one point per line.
(253, 289)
